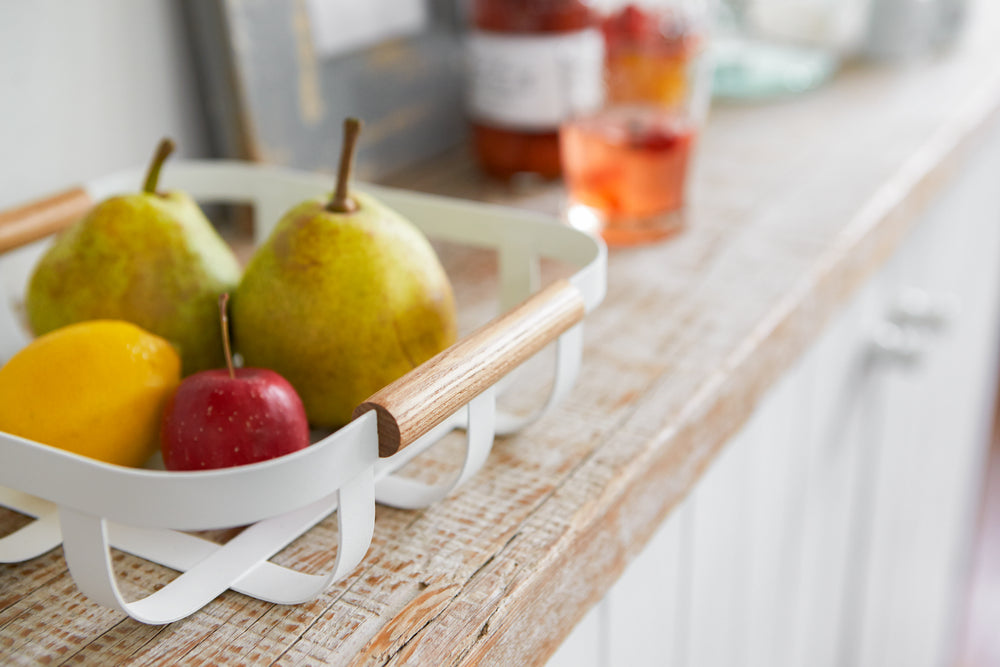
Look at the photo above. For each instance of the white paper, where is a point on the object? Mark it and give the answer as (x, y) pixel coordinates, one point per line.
(342, 26)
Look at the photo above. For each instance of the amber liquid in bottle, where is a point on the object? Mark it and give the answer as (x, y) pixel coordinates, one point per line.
(508, 146)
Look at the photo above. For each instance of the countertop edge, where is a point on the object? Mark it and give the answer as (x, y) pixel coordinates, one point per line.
(593, 552)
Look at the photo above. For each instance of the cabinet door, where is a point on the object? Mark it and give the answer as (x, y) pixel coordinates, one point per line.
(642, 619)
(586, 646)
(647, 607)
(935, 433)
(834, 528)
(838, 441)
(753, 567)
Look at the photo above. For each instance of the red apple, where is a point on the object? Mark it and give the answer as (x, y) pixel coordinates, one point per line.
(230, 417)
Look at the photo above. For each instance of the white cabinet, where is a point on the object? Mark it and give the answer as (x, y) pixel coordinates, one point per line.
(834, 529)
(935, 424)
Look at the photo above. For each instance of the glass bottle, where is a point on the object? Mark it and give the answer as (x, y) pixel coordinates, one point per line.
(532, 64)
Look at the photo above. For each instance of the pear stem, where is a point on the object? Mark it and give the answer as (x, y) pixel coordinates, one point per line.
(227, 348)
(163, 151)
(341, 202)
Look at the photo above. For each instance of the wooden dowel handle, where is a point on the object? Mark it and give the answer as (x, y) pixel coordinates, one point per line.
(423, 398)
(20, 226)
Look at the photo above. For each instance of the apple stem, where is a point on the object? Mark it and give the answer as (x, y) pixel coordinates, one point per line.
(227, 348)
(163, 151)
(341, 202)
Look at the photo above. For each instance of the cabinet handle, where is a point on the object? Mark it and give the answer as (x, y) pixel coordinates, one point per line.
(897, 345)
(920, 309)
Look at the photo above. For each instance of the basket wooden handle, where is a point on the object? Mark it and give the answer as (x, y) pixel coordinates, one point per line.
(31, 222)
(420, 400)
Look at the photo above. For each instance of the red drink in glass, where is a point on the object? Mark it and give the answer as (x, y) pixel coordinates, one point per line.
(625, 169)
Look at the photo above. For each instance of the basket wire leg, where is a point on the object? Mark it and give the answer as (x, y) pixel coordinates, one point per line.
(85, 544)
(406, 493)
(34, 539)
(569, 355)
(520, 272)
(355, 527)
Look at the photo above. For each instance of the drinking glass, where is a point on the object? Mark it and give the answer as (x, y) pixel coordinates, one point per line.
(626, 166)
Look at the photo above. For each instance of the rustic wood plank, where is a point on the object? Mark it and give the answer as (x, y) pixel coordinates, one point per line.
(796, 205)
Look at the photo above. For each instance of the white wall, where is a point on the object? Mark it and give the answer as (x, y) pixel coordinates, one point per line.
(88, 87)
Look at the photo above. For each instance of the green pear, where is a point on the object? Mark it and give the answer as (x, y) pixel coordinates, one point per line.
(149, 258)
(344, 297)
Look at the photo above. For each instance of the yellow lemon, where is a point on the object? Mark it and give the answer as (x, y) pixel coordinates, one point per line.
(95, 388)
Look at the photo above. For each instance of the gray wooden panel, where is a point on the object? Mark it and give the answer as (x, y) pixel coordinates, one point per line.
(273, 99)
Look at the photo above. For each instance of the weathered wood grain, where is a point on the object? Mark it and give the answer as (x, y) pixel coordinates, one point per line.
(417, 402)
(796, 204)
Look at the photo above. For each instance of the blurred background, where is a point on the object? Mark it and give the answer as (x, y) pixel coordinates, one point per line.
(89, 87)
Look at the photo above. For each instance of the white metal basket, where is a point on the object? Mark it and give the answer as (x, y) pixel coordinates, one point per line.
(89, 506)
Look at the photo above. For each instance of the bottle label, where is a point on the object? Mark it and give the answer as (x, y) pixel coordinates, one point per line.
(536, 81)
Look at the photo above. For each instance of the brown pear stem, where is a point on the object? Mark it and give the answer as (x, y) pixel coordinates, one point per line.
(341, 202)
(224, 318)
(163, 151)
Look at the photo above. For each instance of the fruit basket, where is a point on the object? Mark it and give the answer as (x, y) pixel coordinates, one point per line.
(90, 507)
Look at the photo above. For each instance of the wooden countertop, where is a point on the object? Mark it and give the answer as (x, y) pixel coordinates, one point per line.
(797, 203)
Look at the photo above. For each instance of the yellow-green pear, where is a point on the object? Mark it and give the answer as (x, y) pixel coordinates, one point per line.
(344, 297)
(149, 258)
